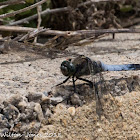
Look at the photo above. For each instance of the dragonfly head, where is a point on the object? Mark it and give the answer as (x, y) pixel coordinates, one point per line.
(67, 68)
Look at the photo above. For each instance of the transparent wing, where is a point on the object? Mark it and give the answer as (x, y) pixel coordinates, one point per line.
(98, 92)
(100, 87)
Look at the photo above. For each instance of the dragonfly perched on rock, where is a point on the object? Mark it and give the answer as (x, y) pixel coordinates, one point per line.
(83, 65)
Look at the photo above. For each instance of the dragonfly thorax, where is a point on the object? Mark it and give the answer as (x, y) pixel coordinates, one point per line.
(67, 68)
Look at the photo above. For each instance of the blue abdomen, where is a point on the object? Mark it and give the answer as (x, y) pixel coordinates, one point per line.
(124, 67)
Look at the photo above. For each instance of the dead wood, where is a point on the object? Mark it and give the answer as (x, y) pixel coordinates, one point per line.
(68, 33)
(43, 13)
(12, 2)
(22, 10)
(31, 35)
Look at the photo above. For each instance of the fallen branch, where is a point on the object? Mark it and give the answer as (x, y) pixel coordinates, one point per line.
(12, 2)
(22, 10)
(3, 6)
(45, 12)
(67, 33)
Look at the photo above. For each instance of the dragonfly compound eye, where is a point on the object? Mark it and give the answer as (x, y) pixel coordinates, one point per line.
(67, 68)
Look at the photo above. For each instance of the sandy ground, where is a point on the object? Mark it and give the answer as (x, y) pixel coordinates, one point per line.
(121, 113)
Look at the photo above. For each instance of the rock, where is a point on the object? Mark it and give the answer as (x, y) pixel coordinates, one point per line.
(45, 104)
(28, 113)
(56, 100)
(76, 100)
(39, 112)
(72, 111)
(45, 100)
(59, 108)
(35, 97)
(4, 122)
(22, 105)
(11, 112)
(48, 113)
(15, 99)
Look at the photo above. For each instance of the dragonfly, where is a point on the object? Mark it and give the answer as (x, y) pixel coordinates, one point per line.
(82, 66)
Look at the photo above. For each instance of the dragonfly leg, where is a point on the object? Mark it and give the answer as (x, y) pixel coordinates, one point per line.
(63, 81)
(90, 83)
(74, 83)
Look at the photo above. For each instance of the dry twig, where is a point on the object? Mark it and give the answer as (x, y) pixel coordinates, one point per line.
(22, 10)
(3, 6)
(45, 12)
(39, 9)
(12, 2)
(32, 34)
(68, 33)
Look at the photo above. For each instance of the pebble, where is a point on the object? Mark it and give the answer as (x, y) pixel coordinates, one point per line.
(39, 112)
(3, 121)
(22, 105)
(11, 113)
(56, 100)
(59, 108)
(72, 111)
(15, 99)
(48, 113)
(76, 100)
(45, 100)
(35, 97)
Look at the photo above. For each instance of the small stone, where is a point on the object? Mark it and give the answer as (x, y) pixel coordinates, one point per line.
(56, 100)
(45, 93)
(35, 97)
(3, 121)
(22, 105)
(48, 113)
(11, 112)
(29, 112)
(59, 108)
(39, 112)
(45, 100)
(72, 111)
(76, 100)
(15, 99)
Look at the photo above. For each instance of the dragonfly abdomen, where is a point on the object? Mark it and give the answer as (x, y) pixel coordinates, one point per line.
(125, 67)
